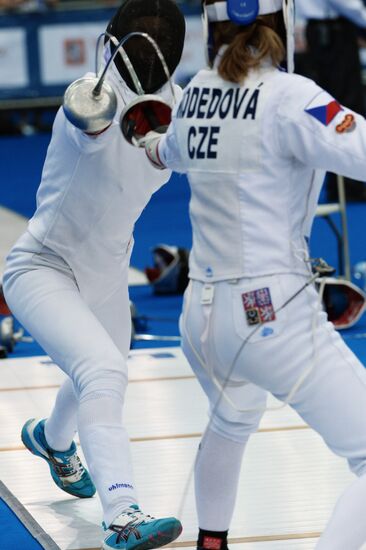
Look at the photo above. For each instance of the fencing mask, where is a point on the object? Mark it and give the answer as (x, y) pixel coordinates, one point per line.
(165, 23)
(344, 302)
(4, 309)
(170, 272)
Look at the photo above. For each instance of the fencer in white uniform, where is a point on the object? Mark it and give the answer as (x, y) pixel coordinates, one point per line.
(252, 150)
(354, 10)
(66, 281)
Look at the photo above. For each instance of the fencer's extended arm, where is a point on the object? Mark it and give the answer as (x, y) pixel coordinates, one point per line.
(84, 141)
(355, 10)
(320, 133)
(165, 151)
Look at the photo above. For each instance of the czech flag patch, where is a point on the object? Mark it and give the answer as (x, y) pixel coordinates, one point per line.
(325, 113)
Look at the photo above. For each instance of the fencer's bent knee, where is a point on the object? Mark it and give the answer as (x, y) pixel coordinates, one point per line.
(357, 466)
(102, 381)
(238, 432)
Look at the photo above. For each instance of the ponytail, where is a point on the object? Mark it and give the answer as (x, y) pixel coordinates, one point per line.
(247, 46)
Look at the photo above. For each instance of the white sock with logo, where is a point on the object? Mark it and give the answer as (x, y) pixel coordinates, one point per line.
(106, 447)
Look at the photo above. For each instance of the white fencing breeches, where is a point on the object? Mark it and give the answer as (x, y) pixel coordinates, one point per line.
(87, 334)
(331, 398)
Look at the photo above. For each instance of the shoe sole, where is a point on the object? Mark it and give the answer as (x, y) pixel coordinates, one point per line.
(161, 539)
(25, 437)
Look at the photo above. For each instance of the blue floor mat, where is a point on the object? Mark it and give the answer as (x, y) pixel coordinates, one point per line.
(18, 530)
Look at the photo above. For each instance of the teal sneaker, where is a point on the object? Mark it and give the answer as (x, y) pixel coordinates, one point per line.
(66, 468)
(133, 530)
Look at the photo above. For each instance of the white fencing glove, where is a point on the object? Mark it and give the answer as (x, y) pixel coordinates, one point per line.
(151, 143)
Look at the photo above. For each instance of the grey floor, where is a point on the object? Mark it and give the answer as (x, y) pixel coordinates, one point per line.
(289, 484)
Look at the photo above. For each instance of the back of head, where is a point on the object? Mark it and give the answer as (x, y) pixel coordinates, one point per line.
(248, 45)
(165, 23)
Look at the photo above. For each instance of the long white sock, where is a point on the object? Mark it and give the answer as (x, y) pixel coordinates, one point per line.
(106, 447)
(217, 473)
(61, 425)
(346, 529)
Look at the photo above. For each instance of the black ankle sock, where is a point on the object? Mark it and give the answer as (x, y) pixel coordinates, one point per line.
(212, 540)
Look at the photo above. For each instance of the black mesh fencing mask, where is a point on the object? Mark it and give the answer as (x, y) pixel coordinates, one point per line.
(164, 22)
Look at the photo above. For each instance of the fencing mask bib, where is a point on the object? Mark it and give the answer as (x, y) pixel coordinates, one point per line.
(165, 23)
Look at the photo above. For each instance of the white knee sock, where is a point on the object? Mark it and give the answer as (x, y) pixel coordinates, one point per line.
(61, 426)
(106, 447)
(217, 473)
(346, 528)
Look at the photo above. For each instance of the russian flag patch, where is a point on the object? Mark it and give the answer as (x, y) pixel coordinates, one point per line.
(325, 113)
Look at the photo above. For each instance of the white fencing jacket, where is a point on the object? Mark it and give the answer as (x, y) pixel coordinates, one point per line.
(251, 154)
(354, 10)
(93, 190)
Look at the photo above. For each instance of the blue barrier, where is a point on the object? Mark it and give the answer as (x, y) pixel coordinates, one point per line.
(31, 36)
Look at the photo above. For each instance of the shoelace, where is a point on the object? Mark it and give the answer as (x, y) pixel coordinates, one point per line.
(131, 527)
(73, 467)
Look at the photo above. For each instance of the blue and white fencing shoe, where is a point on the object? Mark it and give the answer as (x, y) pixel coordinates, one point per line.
(66, 468)
(133, 530)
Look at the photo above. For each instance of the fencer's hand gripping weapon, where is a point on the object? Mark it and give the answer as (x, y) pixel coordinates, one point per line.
(146, 117)
(90, 103)
(148, 113)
